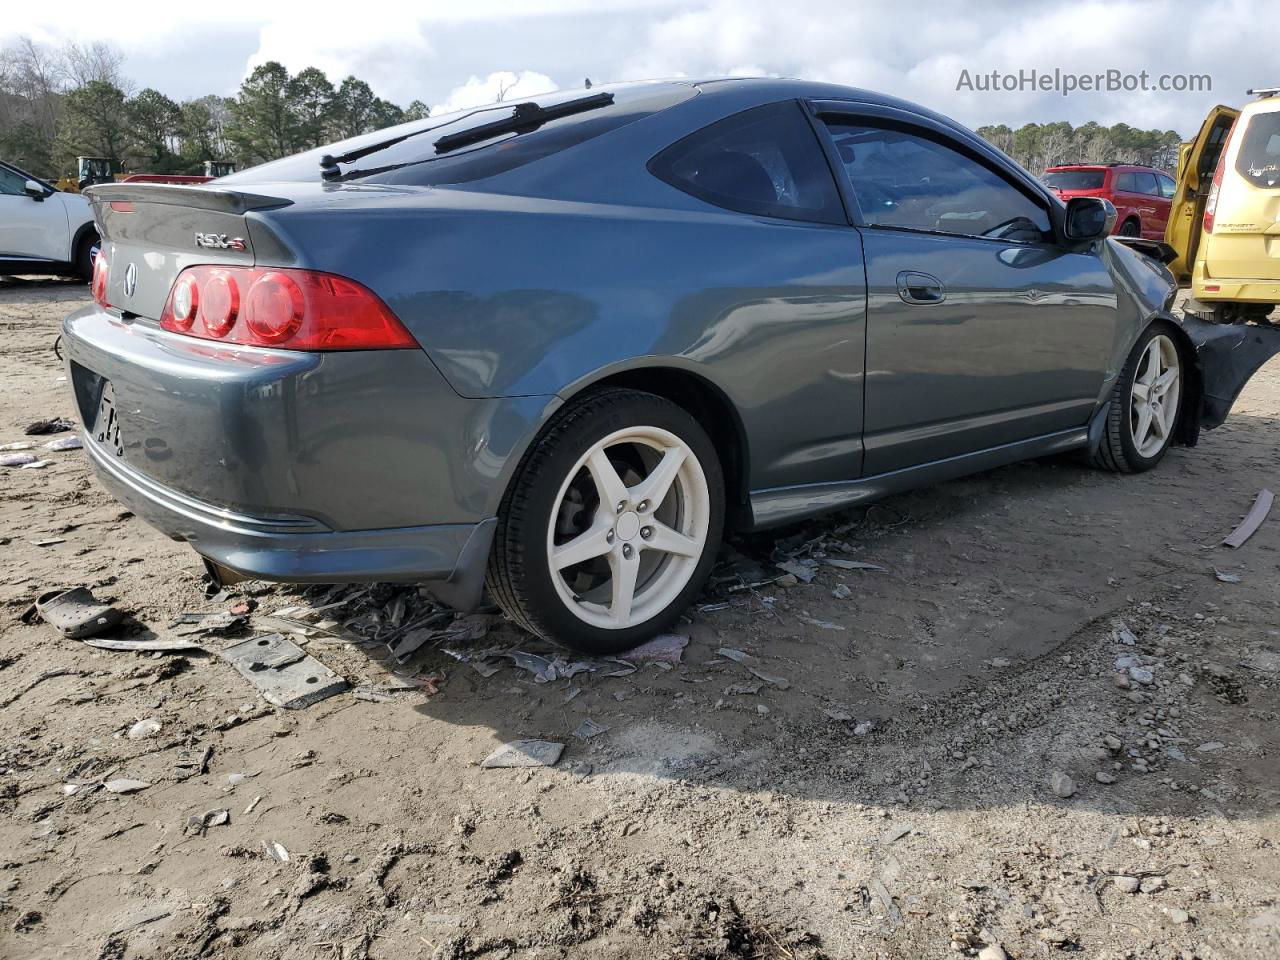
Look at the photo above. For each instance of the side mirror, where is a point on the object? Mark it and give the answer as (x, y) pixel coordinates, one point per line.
(33, 190)
(1089, 218)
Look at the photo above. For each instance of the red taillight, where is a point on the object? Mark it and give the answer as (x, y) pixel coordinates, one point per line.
(98, 285)
(219, 303)
(285, 308)
(275, 308)
(1211, 204)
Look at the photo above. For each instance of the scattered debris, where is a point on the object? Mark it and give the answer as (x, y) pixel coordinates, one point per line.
(840, 564)
(51, 425)
(48, 542)
(36, 465)
(221, 623)
(17, 459)
(77, 612)
(143, 646)
(588, 729)
(801, 571)
(252, 803)
(276, 851)
(20, 445)
(125, 785)
(666, 648)
(1252, 520)
(524, 753)
(731, 654)
(65, 443)
(1227, 577)
(143, 729)
(283, 673)
(780, 682)
(815, 622)
(210, 818)
(896, 833)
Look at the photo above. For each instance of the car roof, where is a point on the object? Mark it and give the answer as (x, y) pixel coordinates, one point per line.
(1102, 166)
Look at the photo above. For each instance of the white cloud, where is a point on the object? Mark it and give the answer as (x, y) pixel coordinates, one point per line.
(477, 92)
(423, 50)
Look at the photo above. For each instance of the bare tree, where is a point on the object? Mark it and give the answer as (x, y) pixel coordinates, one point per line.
(504, 88)
(83, 64)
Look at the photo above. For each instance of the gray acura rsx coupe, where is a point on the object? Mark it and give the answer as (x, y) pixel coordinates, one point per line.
(556, 348)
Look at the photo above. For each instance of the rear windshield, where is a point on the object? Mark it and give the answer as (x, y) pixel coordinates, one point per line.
(1259, 158)
(1076, 179)
(416, 162)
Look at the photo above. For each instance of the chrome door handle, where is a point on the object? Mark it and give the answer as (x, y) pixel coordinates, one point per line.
(914, 287)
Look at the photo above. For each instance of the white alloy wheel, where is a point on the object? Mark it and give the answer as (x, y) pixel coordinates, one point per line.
(629, 527)
(1156, 390)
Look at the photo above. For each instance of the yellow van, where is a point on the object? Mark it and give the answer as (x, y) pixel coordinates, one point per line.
(1225, 220)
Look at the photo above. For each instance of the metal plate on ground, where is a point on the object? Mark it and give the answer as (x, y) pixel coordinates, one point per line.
(282, 671)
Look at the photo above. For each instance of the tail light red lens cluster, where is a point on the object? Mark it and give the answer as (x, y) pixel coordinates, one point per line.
(98, 285)
(1211, 203)
(277, 307)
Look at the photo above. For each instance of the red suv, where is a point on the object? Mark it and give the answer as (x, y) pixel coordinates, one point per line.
(1142, 195)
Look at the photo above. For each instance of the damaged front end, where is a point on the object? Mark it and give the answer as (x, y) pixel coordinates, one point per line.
(1226, 356)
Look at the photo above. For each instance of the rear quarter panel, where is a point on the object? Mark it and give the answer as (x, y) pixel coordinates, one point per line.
(522, 297)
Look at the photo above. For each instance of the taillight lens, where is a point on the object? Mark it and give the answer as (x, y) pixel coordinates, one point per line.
(1211, 203)
(98, 286)
(285, 308)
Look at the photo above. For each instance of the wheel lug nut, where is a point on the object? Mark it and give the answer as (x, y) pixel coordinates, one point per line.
(622, 505)
(608, 537)
(644, 505)
(646, 532)
(627, 551)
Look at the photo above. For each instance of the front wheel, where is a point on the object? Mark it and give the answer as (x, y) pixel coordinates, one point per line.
(1146, 404)
(86, 253)
(1130, 228)
(611, 524)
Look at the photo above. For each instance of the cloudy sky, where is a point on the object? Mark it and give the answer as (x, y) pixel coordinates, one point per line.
(456, 52)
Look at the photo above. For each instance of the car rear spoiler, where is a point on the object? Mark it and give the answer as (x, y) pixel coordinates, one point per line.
(199, 197)
(1155, 249)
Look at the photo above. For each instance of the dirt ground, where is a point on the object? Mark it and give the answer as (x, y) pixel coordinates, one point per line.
(1046, 727)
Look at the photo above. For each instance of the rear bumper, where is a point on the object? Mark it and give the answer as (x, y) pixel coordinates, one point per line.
(297, 549)
(310, 467)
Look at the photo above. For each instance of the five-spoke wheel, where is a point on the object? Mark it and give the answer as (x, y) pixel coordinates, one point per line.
(1145, 406)
(624, 496)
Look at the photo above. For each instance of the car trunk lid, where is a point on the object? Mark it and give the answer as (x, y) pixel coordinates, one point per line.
(151, 232)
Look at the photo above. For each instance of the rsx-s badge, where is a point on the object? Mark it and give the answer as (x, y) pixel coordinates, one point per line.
(219, 241)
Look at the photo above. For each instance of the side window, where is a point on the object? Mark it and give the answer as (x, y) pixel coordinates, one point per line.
(1167, 186)
(11, 183)
(1147, 184)
(1127, 183)
(909, 181)
(764, 161)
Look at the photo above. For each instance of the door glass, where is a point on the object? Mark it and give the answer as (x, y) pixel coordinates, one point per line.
(13, 184)
(1167, 186)
(1147, 184)
(912, 182)
(764, 161)
(1127, 183)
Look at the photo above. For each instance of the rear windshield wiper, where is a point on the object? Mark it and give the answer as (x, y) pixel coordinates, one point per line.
(525, 118)
(329, 163)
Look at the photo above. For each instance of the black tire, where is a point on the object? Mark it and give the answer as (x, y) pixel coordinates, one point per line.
(1118, 451)
(519, 576)
(84, 255)
(1131, 228)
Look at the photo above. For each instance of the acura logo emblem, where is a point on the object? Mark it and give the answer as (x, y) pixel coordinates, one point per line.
(130, 279)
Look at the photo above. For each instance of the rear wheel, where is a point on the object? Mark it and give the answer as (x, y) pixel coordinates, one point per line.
(1146, 404)
(611, 523)
(1130, 228)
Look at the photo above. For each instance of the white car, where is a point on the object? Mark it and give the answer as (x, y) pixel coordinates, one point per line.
(42, 229)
